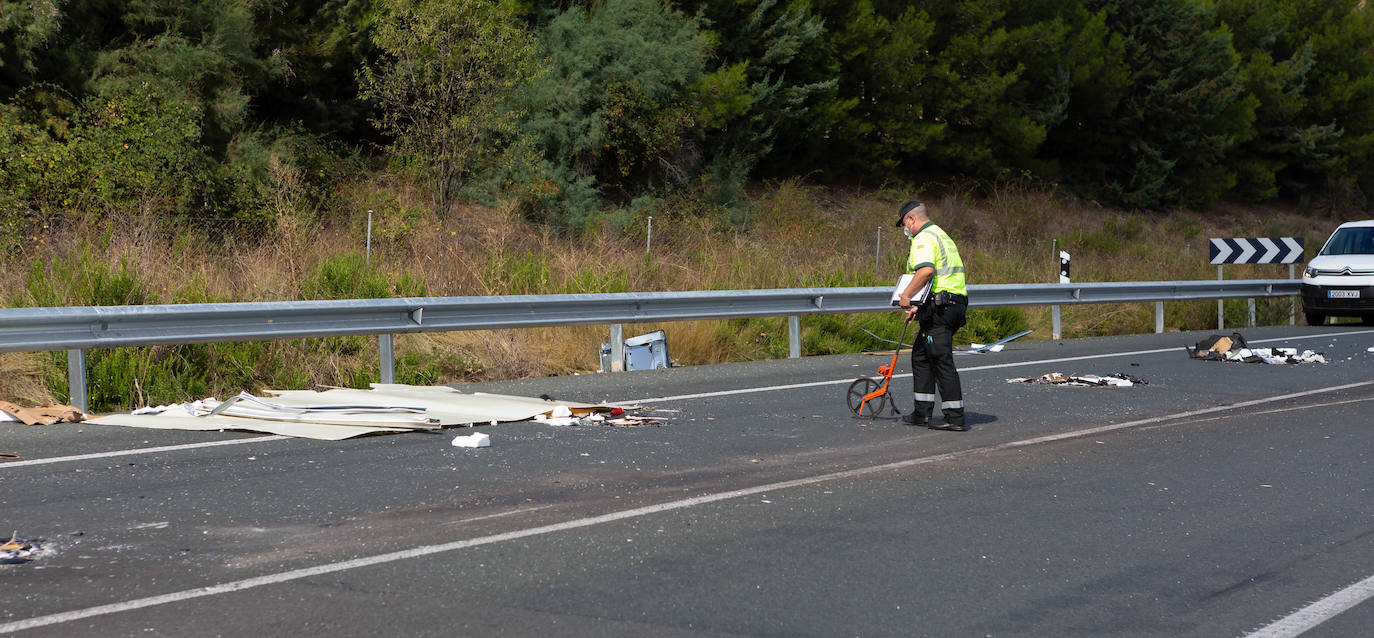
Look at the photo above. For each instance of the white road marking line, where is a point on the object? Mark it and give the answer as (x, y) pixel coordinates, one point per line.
(368, 561)
(142, 450)
(681, 397)
(1317, 613)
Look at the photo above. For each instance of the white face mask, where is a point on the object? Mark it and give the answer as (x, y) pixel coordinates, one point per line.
(907, 232)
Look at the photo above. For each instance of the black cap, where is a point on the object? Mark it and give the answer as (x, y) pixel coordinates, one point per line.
(906, 208)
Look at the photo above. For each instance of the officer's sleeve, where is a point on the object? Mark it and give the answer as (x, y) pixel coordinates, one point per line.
(922, 253)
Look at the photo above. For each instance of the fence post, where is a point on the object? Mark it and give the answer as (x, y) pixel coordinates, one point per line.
(878, 252)
(649, 237)
(369, 237)
(386, 347)
(794, 337)
(76, 379)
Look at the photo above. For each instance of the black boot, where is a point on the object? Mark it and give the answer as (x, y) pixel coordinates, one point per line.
(916, 419)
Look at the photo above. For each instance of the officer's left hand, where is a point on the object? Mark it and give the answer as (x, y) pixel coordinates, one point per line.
(911, 312)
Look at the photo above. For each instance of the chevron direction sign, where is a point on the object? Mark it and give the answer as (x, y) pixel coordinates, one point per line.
(1256, 250)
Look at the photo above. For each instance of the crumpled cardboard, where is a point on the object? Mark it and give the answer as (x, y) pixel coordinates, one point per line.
(43, 415)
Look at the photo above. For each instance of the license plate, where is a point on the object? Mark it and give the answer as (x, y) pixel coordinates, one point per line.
(1342, 294)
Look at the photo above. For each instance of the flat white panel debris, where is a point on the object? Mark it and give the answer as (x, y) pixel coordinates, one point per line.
(341, 413)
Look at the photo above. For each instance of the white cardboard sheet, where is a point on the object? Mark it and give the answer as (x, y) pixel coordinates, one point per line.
(444, 406)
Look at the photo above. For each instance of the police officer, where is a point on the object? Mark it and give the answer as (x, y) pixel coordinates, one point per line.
(933, 255)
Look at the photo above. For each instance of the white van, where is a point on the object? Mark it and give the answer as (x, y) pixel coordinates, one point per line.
(1339, 281)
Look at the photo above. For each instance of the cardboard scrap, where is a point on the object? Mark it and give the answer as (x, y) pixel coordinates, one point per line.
(42, 415)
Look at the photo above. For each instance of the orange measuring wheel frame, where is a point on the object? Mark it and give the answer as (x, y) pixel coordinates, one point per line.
(867, 397)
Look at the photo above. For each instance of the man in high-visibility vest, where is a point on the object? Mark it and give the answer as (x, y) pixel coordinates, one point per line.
(934, 258)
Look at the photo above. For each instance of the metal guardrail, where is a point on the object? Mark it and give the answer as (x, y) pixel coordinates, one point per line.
(77, 329)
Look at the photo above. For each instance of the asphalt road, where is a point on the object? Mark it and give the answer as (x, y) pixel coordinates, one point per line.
(1214, 501)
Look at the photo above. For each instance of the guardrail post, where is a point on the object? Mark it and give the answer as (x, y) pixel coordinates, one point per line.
(76, 378)
(794, 337)
(1251, 304)
(1221, 309)
(1159, 317)
(387, 348)
(617, 347)
(1292, 301)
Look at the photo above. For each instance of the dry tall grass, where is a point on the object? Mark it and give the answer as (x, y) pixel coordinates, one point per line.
(799, 235)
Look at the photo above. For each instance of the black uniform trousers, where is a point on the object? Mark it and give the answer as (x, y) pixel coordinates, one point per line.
(932, 360)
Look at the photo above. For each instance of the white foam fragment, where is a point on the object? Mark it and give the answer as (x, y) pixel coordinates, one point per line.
(476, 439)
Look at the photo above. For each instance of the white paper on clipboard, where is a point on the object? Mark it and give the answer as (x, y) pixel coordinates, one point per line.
(920, 296)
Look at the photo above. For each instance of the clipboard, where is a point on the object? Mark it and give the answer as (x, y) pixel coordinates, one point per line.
(920, 296)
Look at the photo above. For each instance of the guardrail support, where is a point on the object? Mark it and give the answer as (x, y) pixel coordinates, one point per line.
(1221, 309)
(386, 346)
(794, 337)
(1159, 317)
(617, 347)
(1292, 301)
(1251, 305)
(76, 378)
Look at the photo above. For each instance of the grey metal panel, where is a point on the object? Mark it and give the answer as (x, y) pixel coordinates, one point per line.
(85, 327)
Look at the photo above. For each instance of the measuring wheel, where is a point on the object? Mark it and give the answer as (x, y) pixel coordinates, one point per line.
(864, 387)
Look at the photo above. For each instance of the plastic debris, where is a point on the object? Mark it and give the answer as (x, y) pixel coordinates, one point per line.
(996, 346)
(1236, 350)
(476, 439)
(1118, 380)
(18, 550)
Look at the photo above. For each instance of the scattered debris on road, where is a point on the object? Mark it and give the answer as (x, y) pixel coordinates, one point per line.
(18, 550)
(41, 415)
(1118, 380)
(1235, 349)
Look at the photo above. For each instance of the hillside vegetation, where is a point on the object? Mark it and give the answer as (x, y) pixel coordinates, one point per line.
(797, 236)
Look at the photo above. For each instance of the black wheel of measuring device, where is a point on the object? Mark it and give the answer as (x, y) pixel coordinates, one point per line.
(855, 398)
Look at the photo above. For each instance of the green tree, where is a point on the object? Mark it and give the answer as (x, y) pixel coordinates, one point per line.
(1278, 56)
(1311, 65)
(442, 84)
(766, 79)
(312, 50)
(1167, 139)
(134, 148)
(611, 115)
(885, 61)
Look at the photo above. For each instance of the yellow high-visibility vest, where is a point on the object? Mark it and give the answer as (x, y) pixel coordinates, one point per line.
(931, 246)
